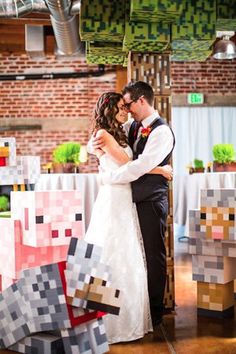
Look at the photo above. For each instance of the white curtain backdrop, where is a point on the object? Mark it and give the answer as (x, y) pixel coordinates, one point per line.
(197, 129)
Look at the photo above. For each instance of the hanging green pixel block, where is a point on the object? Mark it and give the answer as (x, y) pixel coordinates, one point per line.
(102, 20)
(198, 21)
(226, 15)
(146, 36)
(144, 47)
(155, 10)
(223, 24)
(226, 9)
(192, 45)
(103, 59)
(104, 48)
(105, 53)
(190, 56)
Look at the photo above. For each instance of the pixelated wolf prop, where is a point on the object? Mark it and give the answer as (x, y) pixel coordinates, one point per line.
(212, 244)
(58, 308)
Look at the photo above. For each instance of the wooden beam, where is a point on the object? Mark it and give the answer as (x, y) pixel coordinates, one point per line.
(26, 21)
(121, 77)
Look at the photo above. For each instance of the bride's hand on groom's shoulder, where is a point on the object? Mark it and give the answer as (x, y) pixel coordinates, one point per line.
(98, 153)
(98, 139)
(167, 172)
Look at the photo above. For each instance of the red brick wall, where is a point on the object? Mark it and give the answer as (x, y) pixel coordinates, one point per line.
(33, 101)
(41, 101)
(211, 77)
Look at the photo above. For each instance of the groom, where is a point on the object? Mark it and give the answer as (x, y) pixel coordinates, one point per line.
(152, 142)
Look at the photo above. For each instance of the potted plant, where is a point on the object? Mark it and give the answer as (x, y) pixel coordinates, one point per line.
(198, 166)
(66, 158)
(224, 158)
(4, 206)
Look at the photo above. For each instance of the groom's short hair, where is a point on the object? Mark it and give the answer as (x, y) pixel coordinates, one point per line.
(138, 89)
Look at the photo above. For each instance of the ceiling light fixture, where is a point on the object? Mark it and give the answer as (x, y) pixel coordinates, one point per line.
(224, 48)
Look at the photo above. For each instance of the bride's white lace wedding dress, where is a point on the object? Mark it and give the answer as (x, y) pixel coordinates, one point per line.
(114, 226)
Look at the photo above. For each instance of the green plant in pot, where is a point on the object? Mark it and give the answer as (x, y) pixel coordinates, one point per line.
(224, 158)
(198, 165)
(66, 157)
(4, 206)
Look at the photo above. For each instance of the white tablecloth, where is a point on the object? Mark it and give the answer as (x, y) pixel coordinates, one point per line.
(186, 189)
(85, 182)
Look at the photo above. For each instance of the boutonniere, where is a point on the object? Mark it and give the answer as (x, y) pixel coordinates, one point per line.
(145, 132)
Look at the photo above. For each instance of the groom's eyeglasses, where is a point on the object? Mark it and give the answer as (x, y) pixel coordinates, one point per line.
(128, 105)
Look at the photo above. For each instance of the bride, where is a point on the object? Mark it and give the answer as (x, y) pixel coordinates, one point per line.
(114, 226)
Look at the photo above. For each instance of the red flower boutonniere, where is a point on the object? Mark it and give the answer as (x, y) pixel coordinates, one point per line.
(145, 132)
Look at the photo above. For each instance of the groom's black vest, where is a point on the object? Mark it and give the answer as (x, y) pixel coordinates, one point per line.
(149, 187)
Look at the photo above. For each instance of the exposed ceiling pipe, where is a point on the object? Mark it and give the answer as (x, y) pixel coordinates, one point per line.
(65, 26)
(18, 8)
(63, 17)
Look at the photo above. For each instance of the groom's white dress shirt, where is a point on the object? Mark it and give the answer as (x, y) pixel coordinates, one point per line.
(158, 146)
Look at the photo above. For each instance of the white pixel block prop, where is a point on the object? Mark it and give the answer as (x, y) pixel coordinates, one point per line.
(8, 151)
(212, 244)
(38, 302)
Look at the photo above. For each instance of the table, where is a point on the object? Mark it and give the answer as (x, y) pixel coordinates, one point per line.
(186, 191)
(87, 183)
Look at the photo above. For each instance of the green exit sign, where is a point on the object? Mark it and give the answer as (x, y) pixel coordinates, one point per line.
(195, 98)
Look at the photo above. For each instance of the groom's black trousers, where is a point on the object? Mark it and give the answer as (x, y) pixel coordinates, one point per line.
(152, 218)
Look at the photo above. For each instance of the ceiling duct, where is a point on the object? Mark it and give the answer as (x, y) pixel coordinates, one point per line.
(34, 41)
(19, 8)
(63, 17)
(65, 26)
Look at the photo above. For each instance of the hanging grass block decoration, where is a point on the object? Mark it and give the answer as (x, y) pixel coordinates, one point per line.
(185, 55)
(198, 21)
(102, 20)
(104, 48)
(104, 53)
(155, 10)
(192, 45)
(146, 37)
(194, 32)
(105, 59)
(226, 15)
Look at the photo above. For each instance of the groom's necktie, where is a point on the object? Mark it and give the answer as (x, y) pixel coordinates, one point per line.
(136, 129)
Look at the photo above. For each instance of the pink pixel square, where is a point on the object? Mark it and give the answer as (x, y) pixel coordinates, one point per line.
(46, 215)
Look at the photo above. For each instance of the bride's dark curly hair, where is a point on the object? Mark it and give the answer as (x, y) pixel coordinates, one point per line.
(105, 116)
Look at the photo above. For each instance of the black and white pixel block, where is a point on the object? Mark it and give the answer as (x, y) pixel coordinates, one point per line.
(88, 280)
(88, 338)
(35, 303)
(40, 343)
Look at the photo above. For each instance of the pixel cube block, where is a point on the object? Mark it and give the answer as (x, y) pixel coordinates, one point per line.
(49, 222)
(26, 171)
(49, 218)
(8, 151)
(87, 279)
(215, 299)
(87, 338)
(212, 244)
(39, 343)
(37, 302)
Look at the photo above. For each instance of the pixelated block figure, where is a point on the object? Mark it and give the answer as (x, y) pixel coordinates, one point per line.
(87, 279)
(7, 152)
(17, 173)
(37, 302)
(39, 230)
(26, 171)
(49, 218)
(212, 244)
